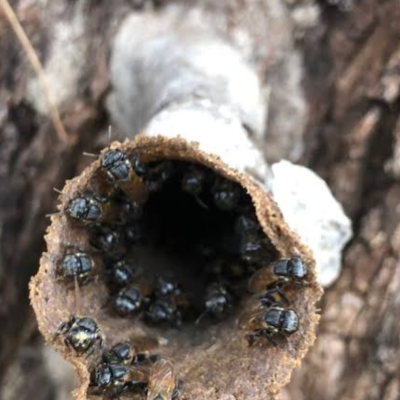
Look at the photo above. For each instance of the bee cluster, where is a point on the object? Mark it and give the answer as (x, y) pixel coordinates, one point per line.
(124, 369)
(207, 225)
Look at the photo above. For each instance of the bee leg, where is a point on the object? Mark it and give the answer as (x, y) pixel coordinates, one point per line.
(266, 334)
(137, 165)
(142, 386)
(118, 392)
(270, 339)
(201, 203)
(276, 288)
(89, 351)
(63, 328)
(177, 390)
(100, 338)
(282, 294)
(302, 283)
(251, 337)
(269, 301)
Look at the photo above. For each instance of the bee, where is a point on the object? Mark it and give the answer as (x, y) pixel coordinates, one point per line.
(164, 311)
(76, 264)
(80, 334)
(116, 165)
(129, 210)
(138, 166)
(120, 353)
(226, 194)
(130, 300)
(166, 288)
(88, 208)
(273, 279)
(134, 232)
(124, 353)
(246, 223)
(122, 173)
(254, 247)
(158, 174)
(275, 321)
(105, 238)
(169, 304)
(162, 382)
(193, 183)
(153, 174)
(113, 379)
(121, 273)
(217, 301)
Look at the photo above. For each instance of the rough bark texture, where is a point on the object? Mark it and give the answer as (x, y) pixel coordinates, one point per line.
(354, 97)
(351, 65)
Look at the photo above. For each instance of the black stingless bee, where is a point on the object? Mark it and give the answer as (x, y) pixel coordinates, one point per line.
(106, 238)
(226, 194)
(121, 272)
(124, 353)
(153, 174)
(130, 300)
(116, 165)
(120, 353)
(164, 311)
(123, 171)
(273, 278)
(129, 210)
(113, 379)
(194, 181)
(217, 301)
(275, 321)
(88, 208)
(76, 265)
(169, 304)
(80, 334)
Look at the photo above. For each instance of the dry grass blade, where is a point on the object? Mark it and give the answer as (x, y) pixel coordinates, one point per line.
(37, 66)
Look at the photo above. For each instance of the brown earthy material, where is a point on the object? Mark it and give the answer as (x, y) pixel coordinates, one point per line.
(222, 366)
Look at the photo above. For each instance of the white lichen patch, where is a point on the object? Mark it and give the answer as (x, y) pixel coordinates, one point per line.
(63, 66)
(310, 209)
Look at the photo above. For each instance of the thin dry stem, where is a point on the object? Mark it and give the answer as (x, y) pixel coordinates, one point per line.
(37, 66)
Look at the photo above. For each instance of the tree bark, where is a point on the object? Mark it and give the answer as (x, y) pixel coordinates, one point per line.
(351, 70)
(354, 128)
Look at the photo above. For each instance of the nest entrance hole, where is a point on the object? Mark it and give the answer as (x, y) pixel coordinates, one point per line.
(194, 241)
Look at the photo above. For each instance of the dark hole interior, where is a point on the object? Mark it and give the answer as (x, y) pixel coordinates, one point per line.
(189, 240)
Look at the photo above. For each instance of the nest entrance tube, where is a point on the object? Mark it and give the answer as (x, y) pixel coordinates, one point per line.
(189, 237)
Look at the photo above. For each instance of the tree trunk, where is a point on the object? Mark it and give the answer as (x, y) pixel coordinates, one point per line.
(351, 73)
(354, 130)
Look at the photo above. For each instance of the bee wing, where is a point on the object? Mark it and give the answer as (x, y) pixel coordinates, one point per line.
(259, 280)
(250, 320)
(162, 380)
(139, 374)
